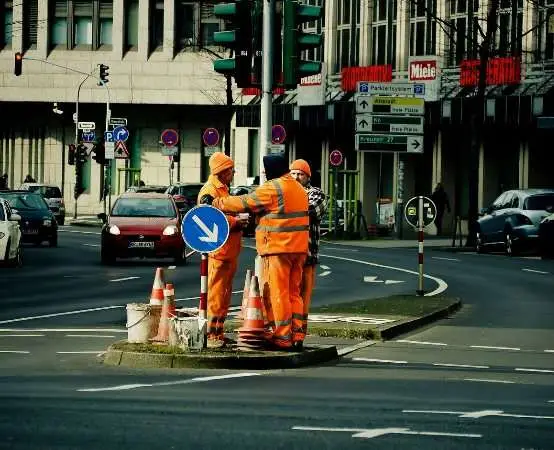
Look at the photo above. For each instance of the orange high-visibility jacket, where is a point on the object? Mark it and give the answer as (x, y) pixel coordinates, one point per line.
(231, 249)
(282, 205)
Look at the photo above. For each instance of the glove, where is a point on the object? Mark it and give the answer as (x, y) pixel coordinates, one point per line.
(206, 199)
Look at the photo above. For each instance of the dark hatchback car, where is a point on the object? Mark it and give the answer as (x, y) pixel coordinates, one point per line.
(546, 237)
(185, 195)
(38, 223)
(512, 221)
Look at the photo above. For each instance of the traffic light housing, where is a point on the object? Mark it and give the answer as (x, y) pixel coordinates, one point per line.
(79, 188)
(238, 38)
(103, 73)
(295, 41)
(71, 155)
(81, 154)
(100, 153)
(18, 64)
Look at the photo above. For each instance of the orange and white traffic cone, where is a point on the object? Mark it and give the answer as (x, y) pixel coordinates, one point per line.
(157, 295)
(245, 294)
(168, 311)
(251, 334)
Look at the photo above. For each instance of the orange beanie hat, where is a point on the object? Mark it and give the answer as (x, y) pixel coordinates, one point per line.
(219, 162)
(302, 165)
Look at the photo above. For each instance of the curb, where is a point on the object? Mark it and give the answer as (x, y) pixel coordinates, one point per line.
(255, 361)
(453, 249)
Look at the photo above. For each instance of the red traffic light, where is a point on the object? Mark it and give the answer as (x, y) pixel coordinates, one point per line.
(18, 63)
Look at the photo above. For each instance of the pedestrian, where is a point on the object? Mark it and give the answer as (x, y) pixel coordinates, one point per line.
(29, 179)
(222, 264)
(440, 199)
(281, 205)
(4, 181)
(317, 205)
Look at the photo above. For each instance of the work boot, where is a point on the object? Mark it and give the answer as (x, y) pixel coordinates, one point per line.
(298, 346)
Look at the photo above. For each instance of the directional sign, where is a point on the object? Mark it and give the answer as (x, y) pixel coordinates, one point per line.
(389, 123)
(205, 228)
(109, 150)
(335, 158)
(120, 150)
(278, 134)
(389, 143)
(404, 89)
(210, 137)
(121, 134)
(86, 125)
(88, 136)
(276, 149)
(118, 122)
(170, 137)
(411, 211)
(393, 105)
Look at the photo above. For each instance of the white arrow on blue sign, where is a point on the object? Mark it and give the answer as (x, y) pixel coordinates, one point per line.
(205, 228)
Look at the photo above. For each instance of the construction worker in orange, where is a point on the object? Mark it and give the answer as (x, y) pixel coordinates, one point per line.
(281, 205)
(317, 200)
(222, 264)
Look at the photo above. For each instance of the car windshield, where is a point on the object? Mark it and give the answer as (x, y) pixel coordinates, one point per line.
(544, 202)
(143, 207)
(190, 192)
(25, 201)
(47, 191)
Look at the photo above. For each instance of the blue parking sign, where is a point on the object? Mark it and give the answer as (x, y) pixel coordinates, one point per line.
(205, 228)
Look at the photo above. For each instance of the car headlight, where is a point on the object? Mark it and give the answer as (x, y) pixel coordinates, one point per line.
(2, 235)
(113, 229)
(170, 230)
(47, 222)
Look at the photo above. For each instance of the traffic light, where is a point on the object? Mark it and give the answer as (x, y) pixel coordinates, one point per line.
(294, 41)
(71, 155)
(100, 153)
(237, 37)
(81, 154)
(18, 64)
(104, 73)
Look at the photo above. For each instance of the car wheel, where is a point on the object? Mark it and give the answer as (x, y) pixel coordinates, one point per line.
(509, 244)
(181, 258)
(479, 245)
(53, 241)
(106, 257)
(17, 260)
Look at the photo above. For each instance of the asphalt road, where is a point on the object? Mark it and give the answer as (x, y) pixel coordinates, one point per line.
(481, 379)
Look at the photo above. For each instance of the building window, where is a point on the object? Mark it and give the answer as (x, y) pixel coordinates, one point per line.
(506, 24)
(315, 26)
(156, 25)
(6, 22)
(380, 33)
(105, 24)
(348, 33)
(30, 21)
(544, 33)
(186, 25)
(82, 24)
(209, 23)
(422, 40)
(460, 46)
(131, 24)
(58, 23)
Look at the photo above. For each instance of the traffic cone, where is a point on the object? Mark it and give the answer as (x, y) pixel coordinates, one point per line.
(168, 311)
(157, 295)
(251, 334)
(245, 294)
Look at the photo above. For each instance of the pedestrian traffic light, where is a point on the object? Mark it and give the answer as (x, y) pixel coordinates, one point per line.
(237, 37)
(18, 64)
(104, 73)
(295, 41)
(71, 155)
(100, 153)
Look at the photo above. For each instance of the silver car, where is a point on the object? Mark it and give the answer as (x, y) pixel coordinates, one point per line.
(512, 221)
(53, 196)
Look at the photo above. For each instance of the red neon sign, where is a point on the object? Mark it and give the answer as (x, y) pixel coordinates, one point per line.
(499, 71)
(351, 75)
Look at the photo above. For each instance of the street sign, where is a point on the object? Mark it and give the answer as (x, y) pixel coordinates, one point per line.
(389, 143)
(86, 125)
(170, 137)
(120, 150)
(210, 137)
(403, 89)
(276, 149)
(205, 228)
(109, 150)
(170, 151)
(88, 136)
(118, 122)
(335, 158)
(88, 146)
(411, 211)
(278, 134)
(121, 134)
(391, 123)
(390, 105)
(108, 136)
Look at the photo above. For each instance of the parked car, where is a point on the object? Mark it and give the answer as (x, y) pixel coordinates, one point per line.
(512, 221)
(185, 195)
(546, 237)
(38, 223)
(53, 196)
(142, 225)
(148, 188)
(10, 235)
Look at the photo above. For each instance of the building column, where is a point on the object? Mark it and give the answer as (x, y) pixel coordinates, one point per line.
(143, 29)
(524, 165)
(42, 30)
(118, 29)
(366, 16)
(529, 23)
(169, 29)
(402, 36)
(330, 31)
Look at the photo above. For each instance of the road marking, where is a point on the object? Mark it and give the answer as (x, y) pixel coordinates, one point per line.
(339, 249)
(124, 279)
(465, 366)
(478, 414)
(324, 267)
(90, 335)
(523, 369)
(92, 352)
(374, 360)
(124, 387)
(172, 267)
(490, 347)
(535, 271)
(370, 433)
(549, 351)
(483, 380)
(444, 259)
(79, 232)
(352, 348)
(91, 245)
(324, 274)
(22, 352)
(65, 330)
(21, 335)
(407, 341)
(371, 279)
(550, 401)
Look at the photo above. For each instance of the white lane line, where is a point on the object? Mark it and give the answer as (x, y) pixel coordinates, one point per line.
(523, 369)
(91, 245)
(478, 414)
(340, 249)
(535, 271)
(79, 232)
(374, 360)
(324, 274)
(124, 279)
(352, 348)
(464, 366)
(370, 433)
(65, 330)
(171, 267)
(21, 352)
(550, 401)
(87, 352)
(549, 351)
(407, 341)
(90, 335)
(484, 380)
(123, 387)
(441, 258)
(491, 347)
(324, 267)
(21, 335)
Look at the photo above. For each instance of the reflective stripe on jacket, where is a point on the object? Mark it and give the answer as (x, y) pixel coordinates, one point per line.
(282, 205)
(231, 249)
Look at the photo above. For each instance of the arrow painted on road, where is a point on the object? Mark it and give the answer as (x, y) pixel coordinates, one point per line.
(211, 235)
(370, 433)
(373, 279)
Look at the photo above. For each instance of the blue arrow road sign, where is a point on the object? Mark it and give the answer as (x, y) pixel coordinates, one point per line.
(121, 134)
(88, 137)
(205, 228)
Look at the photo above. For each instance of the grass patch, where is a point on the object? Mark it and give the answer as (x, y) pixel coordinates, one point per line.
(174, 350)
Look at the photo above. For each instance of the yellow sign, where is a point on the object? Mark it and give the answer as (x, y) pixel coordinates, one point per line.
(399, 101)
(412, 211)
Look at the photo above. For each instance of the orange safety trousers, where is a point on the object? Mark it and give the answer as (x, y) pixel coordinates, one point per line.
(282, 275)
(307, 286)
(220, 284)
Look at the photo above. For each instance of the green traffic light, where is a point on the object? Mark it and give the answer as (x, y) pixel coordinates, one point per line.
(225, 9)
(225, 66)
(308, 13)
(307, 68)
(225, 37)
(309, 40)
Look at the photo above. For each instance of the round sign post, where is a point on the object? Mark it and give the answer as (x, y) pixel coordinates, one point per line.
(420, 212)
(170, 137)
(278, 134)
(210, 137)
(335, 158)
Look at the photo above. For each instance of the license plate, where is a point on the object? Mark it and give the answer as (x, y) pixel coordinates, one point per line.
(30, 231)
(141, 245)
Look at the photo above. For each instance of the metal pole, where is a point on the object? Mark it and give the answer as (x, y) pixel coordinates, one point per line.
(345, 199)
(267, 84)
(229, 104)
(335, 199)
(420, 245)
(203, 306)
(109, 167)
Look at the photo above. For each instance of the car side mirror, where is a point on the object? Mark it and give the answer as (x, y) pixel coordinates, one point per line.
(15, 217)
(103, 217)
(484, 211)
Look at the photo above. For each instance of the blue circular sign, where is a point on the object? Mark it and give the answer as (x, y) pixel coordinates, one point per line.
(205, 228)
(120, 134)
(210, 137)
(278, 134)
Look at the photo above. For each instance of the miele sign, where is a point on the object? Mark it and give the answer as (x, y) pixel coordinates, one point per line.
(423, 70)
